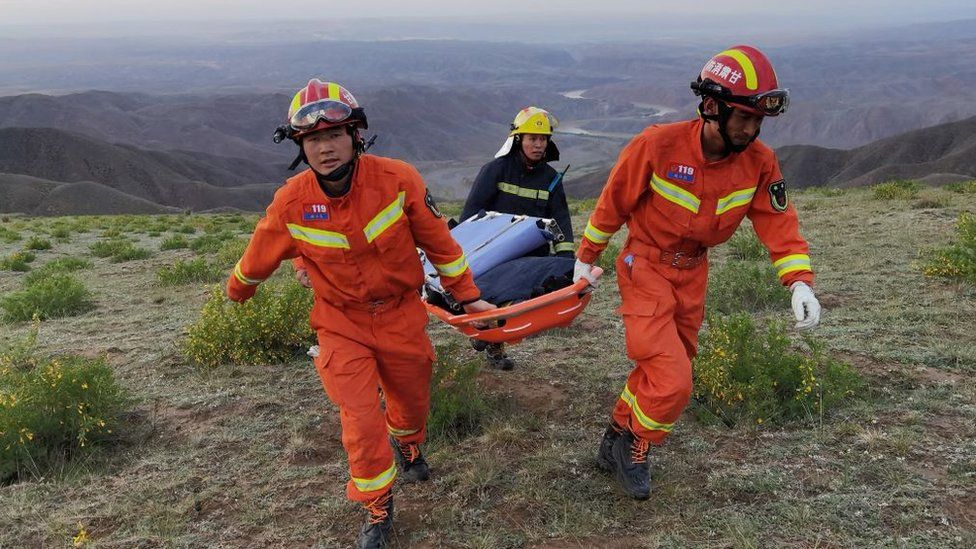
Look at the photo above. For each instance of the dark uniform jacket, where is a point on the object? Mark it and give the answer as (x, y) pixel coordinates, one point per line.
(507, 185)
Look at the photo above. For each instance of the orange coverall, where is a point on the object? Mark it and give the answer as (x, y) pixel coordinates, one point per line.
(676, 205)
(360, 254)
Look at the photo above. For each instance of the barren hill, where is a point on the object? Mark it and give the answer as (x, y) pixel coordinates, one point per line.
(946, 149)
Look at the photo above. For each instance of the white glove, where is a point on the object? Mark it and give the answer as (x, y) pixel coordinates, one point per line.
(584, 270)
(806, 308)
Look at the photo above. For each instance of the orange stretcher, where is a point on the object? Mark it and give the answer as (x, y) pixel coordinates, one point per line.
(513, 323)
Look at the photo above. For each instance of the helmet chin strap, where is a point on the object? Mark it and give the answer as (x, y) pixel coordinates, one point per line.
(724, 112)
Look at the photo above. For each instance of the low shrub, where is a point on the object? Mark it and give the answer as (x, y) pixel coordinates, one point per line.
(963, 187)
(17, 261)
(745, 286)
(186, 272)
(958, 260)
(54, 296)
(53, 409)
(211, 242)
(271, 327)
(745, 374)
(119, 250)
(897, 189)
(57, 266)
(9, 235)
(174, 242)
(37, 243)
(231, 251)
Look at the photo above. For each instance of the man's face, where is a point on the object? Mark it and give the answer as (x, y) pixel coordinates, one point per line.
(742, 126)
(328, 149)
(534, 146)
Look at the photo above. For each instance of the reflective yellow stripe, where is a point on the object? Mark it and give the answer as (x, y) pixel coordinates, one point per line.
(385, 218)
(239, 275)
(296, 103)
(334, 91)
(400, 432)
(791, 263)
(734, 200)
(674, 193)
(453, 268)
(595, 235)
(565, 247)
(748, 70)
(648, 423)
(318, 237)
(522, 191)
(378, 482)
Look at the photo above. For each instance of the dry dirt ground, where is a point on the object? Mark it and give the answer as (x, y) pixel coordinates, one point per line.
(250, 456)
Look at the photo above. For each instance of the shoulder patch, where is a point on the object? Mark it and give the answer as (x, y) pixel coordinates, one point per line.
(429, 200)
(778, 197)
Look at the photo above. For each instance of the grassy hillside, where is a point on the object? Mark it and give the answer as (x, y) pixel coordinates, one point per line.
(251, 456)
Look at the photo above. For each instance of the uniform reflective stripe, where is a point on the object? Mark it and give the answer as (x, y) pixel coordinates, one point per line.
(791, 263)
(734, 200)
(748, 70)
(318, 237)
(296, 103)
(522, 191)
(648, 423)
(239, 275)
(453, 268)
(565, 247)
(334, 91)
(595, 235)
(401, 432)
(674, 193)
(385, 218)
(378, 482)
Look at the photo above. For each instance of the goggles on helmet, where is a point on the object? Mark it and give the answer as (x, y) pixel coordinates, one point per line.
(770, 103)
(330, 110)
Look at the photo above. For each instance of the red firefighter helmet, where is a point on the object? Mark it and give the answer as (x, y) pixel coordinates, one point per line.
(320, 105)
(743, 76)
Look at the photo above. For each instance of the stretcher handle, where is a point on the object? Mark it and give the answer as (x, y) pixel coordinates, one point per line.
(580, 286)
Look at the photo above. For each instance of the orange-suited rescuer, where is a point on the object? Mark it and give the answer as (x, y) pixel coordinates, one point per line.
(352, 223)
(682, 188)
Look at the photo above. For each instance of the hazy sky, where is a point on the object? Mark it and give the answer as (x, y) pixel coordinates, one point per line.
(47, 12)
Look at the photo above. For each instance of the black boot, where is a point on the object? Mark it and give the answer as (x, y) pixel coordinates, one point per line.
(630, 465)
(479, 345)
(604, 457)
(497, 358)
(376, 531)
(410, 460)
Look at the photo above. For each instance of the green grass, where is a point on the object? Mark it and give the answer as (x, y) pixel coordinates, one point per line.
(188, 272)
(17, 261)
(54, 296)
(898, 189)
(37, 243)
(53, 409)
(174, 242)
(119, 250)
(239, 455)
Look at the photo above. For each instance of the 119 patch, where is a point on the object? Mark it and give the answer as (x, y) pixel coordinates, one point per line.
(681, 172)
(778, 197)
(315, 212)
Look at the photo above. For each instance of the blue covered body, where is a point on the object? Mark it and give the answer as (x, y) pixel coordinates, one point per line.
(493, 239)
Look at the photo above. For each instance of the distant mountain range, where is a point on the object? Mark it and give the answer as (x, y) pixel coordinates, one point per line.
(53, 172)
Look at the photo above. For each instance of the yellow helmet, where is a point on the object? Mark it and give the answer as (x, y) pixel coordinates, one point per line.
(534, 120)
